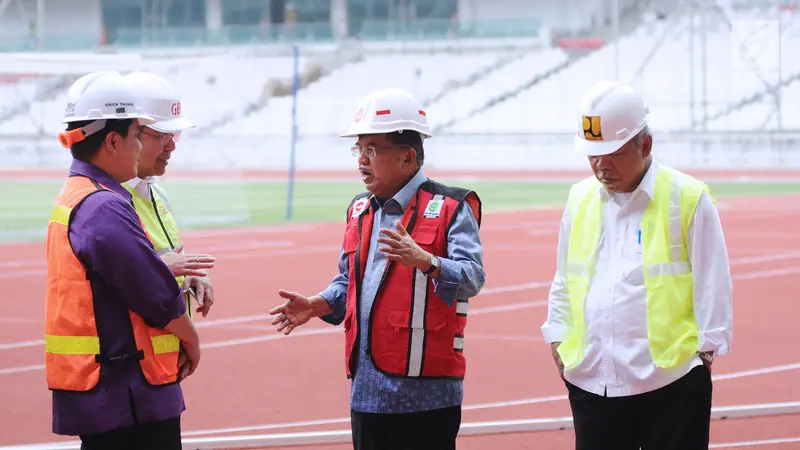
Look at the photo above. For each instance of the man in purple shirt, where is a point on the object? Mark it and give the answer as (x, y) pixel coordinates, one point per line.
(123, 411)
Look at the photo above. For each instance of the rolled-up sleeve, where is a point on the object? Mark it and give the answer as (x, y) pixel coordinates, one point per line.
(109, 238)
(461, 275)
(336, 293)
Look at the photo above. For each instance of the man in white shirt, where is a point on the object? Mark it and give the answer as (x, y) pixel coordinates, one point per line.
(641, 301)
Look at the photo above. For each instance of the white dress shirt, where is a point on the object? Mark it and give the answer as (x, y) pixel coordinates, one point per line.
(618, 361)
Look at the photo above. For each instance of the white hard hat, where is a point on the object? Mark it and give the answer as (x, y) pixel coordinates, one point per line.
(160, 101)
(387, 111)
(96, 97)
(611, 113)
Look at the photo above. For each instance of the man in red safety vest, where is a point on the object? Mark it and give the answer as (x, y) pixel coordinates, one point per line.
(411, 258)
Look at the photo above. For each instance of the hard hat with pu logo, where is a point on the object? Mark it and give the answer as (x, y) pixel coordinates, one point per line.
(387, 111)
(611, 114)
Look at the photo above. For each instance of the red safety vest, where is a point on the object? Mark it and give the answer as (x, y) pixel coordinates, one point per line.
(412, 333)
(73, 354)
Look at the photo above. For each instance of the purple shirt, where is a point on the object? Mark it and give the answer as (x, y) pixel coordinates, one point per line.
(107, 235)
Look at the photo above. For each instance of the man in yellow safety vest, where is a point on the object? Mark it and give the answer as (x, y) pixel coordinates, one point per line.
(150, 199)
(641, 301)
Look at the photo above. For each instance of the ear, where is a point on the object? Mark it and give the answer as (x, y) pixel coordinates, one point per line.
(647, 145)
(111, 140)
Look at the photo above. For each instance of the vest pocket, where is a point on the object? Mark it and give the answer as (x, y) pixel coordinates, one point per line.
(425, 232)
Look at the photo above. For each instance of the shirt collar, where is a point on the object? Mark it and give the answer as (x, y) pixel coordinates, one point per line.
(647, 185)
(141, 185)
(89, 170)
(404, 196)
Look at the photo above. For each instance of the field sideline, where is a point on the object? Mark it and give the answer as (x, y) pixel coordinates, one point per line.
(223, 203)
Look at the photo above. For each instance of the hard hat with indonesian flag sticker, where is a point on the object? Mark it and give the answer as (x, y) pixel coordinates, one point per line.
(160, 101)
(611, 114)
(97, 97)
(387, 111)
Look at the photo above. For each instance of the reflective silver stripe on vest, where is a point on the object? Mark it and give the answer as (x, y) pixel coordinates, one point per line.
(458, 343)
(675, 222)
(418, 301)
(461, 307)
(669, 269)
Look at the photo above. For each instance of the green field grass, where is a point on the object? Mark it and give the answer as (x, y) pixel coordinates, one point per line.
(25, 207)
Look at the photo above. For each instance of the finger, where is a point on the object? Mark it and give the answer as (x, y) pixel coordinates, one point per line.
(200, 294)
(178, 249)
(388, 251)
(287, 295)
(199, 257)
(283, 325)
(289, 329)
(183, 372)
(278, 319)
(192, 264)
(391, 234)
(400, 228)
(204, 309)
(189, 272)
(277, 310)
(390, 242)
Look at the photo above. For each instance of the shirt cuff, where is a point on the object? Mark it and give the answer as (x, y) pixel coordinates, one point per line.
(336, 316)
(554, 332)
(717, 341)
(447, 284)
(170, 313)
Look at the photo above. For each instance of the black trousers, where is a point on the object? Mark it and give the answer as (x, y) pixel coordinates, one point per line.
(161, 435)
(428, 430)
(675, 417)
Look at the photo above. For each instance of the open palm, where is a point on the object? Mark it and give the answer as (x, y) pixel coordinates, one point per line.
(294, 312)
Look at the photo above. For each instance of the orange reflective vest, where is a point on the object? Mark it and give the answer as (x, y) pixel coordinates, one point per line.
(73, 350)
(412, 332)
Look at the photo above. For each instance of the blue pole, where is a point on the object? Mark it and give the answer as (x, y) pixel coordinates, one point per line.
(296, 81)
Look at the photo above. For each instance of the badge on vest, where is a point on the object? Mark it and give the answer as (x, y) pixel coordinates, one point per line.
(359, 207)
(434, 208)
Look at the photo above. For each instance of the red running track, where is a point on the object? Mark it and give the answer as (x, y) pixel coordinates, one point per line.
(253, 380)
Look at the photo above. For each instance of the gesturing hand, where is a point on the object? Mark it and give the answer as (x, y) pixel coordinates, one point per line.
(400, 246)
(183, 264)
(296, 311)
(203, 290)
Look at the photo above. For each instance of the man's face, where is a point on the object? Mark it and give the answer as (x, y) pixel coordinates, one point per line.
(384, 166)
(157, 147)
(125, 152)
(622, 170)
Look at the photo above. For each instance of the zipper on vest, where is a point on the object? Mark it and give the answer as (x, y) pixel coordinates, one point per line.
(409, 228)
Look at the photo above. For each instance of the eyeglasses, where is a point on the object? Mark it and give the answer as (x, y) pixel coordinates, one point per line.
(369, 152)
(164, 137)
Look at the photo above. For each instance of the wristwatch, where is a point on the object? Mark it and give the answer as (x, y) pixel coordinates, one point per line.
(434, 265)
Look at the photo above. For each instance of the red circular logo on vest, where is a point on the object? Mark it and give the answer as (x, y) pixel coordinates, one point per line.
(360, 206)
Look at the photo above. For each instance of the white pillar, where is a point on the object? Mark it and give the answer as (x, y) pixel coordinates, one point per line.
(213, 14)
(40, 14)
(339, 18)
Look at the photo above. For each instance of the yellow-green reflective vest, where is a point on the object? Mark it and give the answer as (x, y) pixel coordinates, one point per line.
(671, 327)
(157, 217)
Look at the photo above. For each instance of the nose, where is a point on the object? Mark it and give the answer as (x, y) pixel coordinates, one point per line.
(363, 159)
(602, 161)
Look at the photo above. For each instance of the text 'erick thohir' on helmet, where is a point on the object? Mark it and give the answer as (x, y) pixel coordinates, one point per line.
(97, 97)
(387, 111)
(611, 114)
